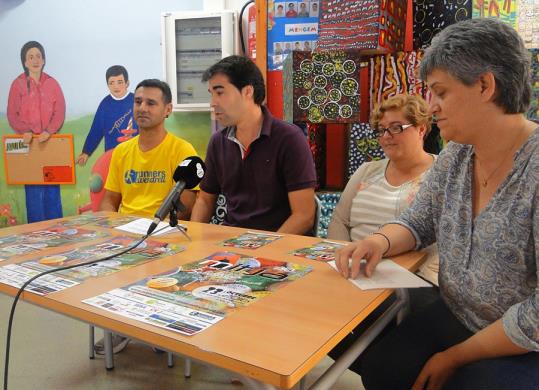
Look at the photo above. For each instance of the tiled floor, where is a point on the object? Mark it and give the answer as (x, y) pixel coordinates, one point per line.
(49, 351)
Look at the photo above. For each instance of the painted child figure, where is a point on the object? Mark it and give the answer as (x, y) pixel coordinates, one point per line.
(113, 119)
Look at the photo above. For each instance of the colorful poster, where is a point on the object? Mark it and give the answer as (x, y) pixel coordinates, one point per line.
(98, 220)
(323, 87)
(17, 274)
(430, 17)
(362, 24)
(505, 10)
(528, 22)
(197, 295)
(292, 26)
(251, 240)
(363, 147)
(321, 251)
(395, 73)
(57, 235)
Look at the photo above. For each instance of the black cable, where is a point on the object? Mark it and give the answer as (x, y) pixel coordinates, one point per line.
(17, 296)
(241, 25)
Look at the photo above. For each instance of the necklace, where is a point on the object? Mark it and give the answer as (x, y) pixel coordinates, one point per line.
(484, 182)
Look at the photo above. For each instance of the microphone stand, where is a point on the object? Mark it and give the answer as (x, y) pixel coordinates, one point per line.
(173, 218)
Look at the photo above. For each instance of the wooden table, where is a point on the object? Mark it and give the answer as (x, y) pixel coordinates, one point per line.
(274, 342)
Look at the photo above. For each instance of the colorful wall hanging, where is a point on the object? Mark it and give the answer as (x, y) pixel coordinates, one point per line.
(316, 135)
(363, 147)
(430, 17)
(322, 87)
(505, 10)
(391, 74)
(362, 24)
(528, 22)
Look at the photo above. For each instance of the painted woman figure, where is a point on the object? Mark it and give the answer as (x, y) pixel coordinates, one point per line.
(36, 106)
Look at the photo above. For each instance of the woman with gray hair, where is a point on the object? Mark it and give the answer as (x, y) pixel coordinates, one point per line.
(479, 202)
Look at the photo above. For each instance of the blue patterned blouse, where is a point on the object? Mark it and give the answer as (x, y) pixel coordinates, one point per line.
(488, 265)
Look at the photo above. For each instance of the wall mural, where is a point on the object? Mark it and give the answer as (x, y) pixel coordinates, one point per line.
(36, 107)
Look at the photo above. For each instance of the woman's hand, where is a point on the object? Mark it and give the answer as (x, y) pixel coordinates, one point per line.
(27, 137)
(369, 249)
(44, 136)
(436, 371)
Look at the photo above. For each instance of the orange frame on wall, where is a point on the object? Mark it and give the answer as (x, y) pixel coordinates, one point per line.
(50, 162)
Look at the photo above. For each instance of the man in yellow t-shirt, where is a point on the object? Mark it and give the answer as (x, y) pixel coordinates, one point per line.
(141, 169)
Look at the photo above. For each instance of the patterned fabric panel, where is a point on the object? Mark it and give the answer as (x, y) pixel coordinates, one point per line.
(317, 143)
(328, 201)
(505, 10)
(528, 22)
(362, 24)
(325, 86)
(533, 111)
(396, 73)
(363, 147)
(430, 17)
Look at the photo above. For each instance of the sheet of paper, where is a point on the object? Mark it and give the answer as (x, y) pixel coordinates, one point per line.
(141, 225)
(388, 274)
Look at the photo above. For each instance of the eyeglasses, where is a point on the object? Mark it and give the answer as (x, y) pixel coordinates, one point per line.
(393, 129)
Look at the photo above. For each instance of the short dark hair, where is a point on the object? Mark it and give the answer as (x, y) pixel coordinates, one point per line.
(116, 70)
(155, 83)
(241, 71)
(27, 46)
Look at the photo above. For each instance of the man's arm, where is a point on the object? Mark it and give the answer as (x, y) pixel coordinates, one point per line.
(303, 209)
(111, 201)
(188, 198)
(204, 207)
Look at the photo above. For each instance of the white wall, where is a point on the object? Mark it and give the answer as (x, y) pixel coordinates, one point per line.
(82, 38)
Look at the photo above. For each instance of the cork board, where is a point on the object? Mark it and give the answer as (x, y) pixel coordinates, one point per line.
(50, 162)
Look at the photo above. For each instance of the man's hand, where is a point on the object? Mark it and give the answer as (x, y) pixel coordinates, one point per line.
(82, 159)
(27, 137)
(44, 136)
(436, 371)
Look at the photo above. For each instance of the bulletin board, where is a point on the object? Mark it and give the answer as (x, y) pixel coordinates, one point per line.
(50, 162)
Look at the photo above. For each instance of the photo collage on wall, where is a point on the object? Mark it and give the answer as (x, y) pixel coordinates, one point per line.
(292, 25)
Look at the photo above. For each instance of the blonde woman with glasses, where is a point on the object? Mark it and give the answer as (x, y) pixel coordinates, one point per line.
(380, 190)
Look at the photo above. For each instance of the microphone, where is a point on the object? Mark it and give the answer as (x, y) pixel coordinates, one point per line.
(188, 174)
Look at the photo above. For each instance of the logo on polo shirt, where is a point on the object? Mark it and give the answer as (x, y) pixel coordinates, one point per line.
(141, 177)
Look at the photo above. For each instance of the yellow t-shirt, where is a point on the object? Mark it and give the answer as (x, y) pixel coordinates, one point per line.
(145, 178)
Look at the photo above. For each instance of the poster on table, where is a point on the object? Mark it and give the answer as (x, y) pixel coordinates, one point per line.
(53, 236)
(98, 220)
(251, 240)
(292, 25)
(17, 274)
(321, 251)
(191, 298)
